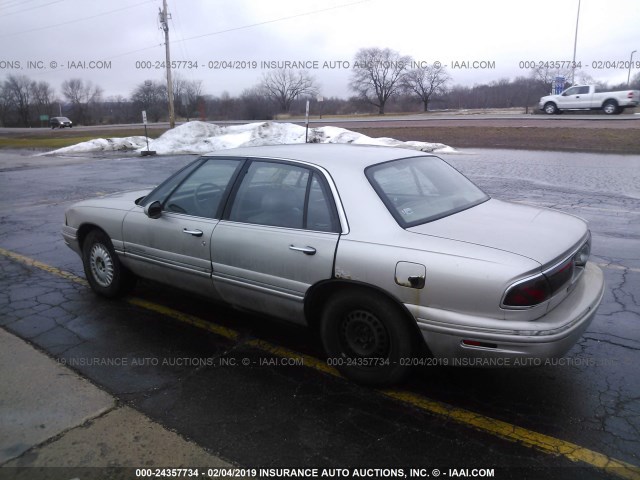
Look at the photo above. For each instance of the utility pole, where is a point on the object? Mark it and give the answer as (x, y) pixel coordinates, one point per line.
(630, 62)
(164, 21)
(575, 46)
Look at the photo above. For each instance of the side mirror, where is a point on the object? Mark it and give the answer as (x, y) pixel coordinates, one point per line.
(153, 210)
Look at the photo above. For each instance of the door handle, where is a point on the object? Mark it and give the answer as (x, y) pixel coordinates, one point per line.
(195, 233)
(305, 250)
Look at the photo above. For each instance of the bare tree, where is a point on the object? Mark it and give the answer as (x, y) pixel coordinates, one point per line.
(82, 95)
(5, 105)
(548, 75)
(193, 95)
(151, 96)
(119, 109)
(377, 74)
(17, 89)
(43, 97)
(179, 88)
(284, 86)
(426, 82)
(254, 105)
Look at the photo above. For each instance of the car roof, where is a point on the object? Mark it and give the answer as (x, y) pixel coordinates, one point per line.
(326, 155)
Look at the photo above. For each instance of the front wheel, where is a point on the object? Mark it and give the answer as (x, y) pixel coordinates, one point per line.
(106, 276)
(366, 337)
(550, 108)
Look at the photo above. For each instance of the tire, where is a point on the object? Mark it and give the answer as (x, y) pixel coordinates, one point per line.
(610, 107)
(366, 337)
(106, 276)
(550, 108)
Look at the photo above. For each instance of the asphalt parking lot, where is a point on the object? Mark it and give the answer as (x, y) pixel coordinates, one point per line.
(258, 394)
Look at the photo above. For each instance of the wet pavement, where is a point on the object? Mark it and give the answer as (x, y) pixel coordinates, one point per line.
(246, 388)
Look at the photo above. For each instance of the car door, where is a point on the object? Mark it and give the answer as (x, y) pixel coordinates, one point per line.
(570, 98)
(583, 97)
(174, 248)
(278, 237)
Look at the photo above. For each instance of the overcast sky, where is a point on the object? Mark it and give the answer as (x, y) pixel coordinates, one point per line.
(125, 34)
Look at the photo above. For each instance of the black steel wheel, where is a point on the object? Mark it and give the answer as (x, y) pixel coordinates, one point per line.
(367, 337)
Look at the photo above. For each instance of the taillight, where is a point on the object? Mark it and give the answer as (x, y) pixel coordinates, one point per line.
(560, 275)
(534, 291)
(630, 94)
(528, 293)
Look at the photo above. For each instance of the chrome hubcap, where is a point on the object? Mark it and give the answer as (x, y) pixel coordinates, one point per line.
(364, 335)
(101, 265)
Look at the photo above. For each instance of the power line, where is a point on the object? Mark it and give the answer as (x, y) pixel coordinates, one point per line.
(32, 8)
(15, 3)
(266, 22)
(76, 20)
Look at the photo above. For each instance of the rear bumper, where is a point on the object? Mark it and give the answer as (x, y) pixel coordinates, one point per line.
(513, 343)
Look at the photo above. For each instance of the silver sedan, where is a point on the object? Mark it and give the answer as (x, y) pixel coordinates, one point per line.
(392, 256)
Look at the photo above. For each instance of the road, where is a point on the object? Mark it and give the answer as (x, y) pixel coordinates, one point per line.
(257, 392)
(570, 120)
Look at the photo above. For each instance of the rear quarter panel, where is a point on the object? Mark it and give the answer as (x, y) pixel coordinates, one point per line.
(459, 277)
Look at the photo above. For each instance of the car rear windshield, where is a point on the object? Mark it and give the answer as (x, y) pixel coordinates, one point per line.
(422, 189)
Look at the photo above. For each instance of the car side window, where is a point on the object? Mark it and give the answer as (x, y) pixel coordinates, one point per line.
(320, 212)
(271, 194)
(201, 192)
(283, 195)
(161, 192)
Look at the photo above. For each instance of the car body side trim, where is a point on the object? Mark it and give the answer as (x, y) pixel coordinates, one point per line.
(163, 263)
(289, 295)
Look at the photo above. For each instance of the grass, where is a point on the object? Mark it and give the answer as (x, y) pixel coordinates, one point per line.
(43, 143)
(52, 139)
(604, 140)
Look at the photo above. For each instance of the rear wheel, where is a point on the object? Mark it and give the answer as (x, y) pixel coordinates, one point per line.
(366, 337)
(611, 108)
(106, 276)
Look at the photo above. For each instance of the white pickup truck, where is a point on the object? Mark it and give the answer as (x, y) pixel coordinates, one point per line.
(586, 97)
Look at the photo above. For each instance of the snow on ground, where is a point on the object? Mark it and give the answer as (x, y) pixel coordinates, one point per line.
(202, 137)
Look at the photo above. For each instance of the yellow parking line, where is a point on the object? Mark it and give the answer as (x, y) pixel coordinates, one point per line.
(520, 435)
(185, 318)
(492, 426)
(42, 266)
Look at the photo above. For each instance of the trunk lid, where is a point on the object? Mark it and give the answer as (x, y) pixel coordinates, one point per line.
(540, 234)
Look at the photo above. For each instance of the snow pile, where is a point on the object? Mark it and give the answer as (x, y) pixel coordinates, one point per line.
(202, 137)
(104, 145)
